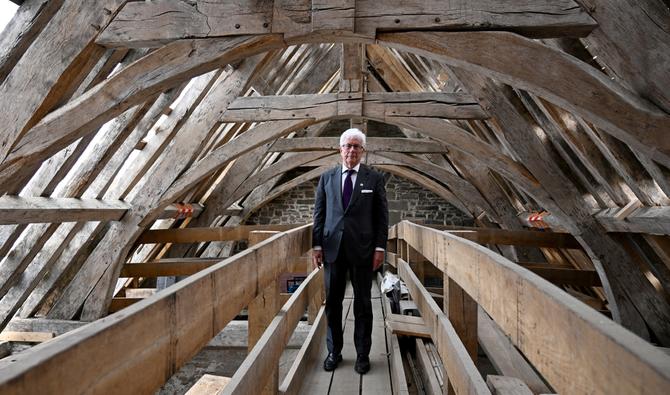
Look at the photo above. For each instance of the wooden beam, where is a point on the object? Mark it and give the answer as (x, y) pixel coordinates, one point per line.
(160, 268)
(51, 67)
(128, 87)
(373, 144)
(159, 22)
(650, 220)
(462, 372)
(501, 385)
(382, 106)
(27, 337)
(195, 235)
(506, 359)
(20, 32)
(306, 356)
(429, 374)
(599, 354)
(615, 110)
(208, 384)
(407, 325)
(57, 327)
(586, 278)
(251, 376)
(25, 210)
(97, 280)
(120, 303)
(171, 326)
(512, 237)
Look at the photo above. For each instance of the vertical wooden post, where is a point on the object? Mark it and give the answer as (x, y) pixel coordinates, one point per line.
(416, 262)
(461, 310)
(262, 310)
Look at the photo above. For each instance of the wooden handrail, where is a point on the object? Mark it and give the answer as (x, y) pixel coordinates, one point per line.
(575, 348)
(195, 235)
(461, 369)
(251, 377)
(165, 330)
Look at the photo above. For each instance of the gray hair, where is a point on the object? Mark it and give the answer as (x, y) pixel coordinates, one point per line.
(353, 133)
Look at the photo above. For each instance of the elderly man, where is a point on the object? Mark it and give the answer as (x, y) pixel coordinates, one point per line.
(350, 232)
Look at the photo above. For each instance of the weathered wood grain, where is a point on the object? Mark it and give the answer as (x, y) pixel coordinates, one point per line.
(159, 70)
(151, 24)
(609, 106)
(153, 187)
(25, 210)
(63, 52)
(373, 144)
(383, 106)
(29, 20)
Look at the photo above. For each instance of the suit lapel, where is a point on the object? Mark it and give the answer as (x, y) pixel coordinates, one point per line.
(361, 178)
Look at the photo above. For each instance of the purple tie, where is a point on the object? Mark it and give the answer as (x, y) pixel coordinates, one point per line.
(348, 189)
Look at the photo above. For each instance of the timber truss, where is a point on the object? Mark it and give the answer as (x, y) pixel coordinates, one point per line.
(126, 118)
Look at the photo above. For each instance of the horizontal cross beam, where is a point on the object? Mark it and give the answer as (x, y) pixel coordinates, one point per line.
(27, 210)
(380, 106)
(144, 24)
(373, 144)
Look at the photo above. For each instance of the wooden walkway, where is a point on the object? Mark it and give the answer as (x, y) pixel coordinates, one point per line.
(344, 380)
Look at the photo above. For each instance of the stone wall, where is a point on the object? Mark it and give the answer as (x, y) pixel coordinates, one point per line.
(406, 201)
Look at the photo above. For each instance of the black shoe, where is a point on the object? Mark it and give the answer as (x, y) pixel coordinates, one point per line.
(362, 364)
(331, 362)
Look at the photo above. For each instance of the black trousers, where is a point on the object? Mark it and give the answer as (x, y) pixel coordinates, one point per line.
(335, 277)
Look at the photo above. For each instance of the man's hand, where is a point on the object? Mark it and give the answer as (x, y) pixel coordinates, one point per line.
(317, 259)
(377, 260)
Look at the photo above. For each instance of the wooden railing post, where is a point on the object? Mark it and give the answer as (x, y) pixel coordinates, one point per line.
(262, 310)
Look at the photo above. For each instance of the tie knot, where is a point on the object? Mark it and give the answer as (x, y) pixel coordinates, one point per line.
(350, 171)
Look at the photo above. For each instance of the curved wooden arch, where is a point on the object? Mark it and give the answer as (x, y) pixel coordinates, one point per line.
(551, 74)
(403, 172)
(608, 105)
(373, 160)
(182, 60)
(445, 132)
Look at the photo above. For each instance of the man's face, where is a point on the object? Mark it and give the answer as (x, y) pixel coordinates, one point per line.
(351, 152)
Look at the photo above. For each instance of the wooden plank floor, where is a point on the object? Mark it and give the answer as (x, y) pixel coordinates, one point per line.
(344, 380)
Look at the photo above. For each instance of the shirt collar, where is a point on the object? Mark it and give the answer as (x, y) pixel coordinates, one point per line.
(356, 168)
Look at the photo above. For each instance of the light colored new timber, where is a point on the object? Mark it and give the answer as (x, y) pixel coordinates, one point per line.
(501, 385)
(193, 311)
(254, 372)
(29, 337)
(506, 359)
(407, 325)
(463, 375)
(208, 384)
(597, 355)
(195, 235)
(308, 356)
(430, 382)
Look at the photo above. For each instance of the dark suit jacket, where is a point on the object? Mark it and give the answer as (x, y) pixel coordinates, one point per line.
(363, 225)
